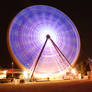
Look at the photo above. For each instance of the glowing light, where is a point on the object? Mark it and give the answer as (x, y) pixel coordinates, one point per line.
(73, 71)
(45, 76)
(5, 71)
(50, 76)
(27, 34)
(3, 76)
(25, 73)
(47, 30)
(42, 75)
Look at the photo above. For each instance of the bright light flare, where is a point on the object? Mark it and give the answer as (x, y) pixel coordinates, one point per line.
(2, 76)
(50, 76)
(5, 71)
(25, 73)
(74, 71)
(45, 30)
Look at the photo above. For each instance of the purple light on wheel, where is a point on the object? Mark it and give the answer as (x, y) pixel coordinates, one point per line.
(27, 34)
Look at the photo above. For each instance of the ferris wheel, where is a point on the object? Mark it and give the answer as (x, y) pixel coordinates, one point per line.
(43, 39)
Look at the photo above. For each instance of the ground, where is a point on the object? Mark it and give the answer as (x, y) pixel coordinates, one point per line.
(51, 86)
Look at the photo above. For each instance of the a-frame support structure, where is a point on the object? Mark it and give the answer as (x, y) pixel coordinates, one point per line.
(57, 49)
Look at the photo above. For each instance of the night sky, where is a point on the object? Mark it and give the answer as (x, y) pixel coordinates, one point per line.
(79, 12)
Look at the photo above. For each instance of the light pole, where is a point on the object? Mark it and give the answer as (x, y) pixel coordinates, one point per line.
(12, 69)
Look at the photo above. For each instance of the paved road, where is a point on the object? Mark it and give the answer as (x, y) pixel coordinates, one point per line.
(52, 86)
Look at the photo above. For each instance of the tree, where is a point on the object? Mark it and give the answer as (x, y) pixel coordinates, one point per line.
(81, 67)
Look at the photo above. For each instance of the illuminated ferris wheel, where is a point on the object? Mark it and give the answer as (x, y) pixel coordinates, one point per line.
(44, 40)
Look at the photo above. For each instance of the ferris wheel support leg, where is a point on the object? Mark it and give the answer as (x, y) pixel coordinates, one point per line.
(38, 59)
(58, 52)
(57, 49)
